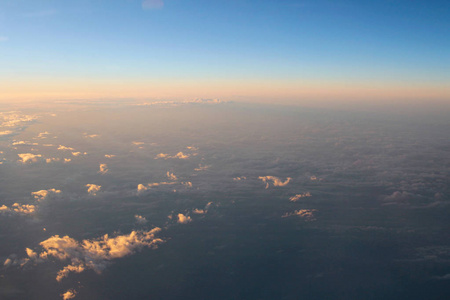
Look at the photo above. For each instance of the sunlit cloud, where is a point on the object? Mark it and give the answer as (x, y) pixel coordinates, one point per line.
(140, 219)
(5, 132)
(93, 254)
(202, 211)
(171, 176)
(298, 196)
(24, 143)
(52, 159)
(29, 157)
(275, 181)
(45, 194)
(61, 147)
(201, 168)
(70, 294)
(103, 169)
(16, 208)
(182, 219)
(92, 136)
(93, 189)
(240, 178)
(109, 155)
(179, 155)
(306, 214)
(43, 135)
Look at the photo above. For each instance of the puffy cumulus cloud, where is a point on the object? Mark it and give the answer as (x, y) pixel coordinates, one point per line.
(45, 194)
(29, 157)
(93, 189)
(240, 178)
(182, 219)
(179, 155)
(16, 208)
(275, 181)
(140, 219)
(298, 196)
(70, 294)
(61, 147)
(109, 155)
(93, 254)
(171, 176)
(306, 214)
(201, 168)
(103, 169)
(152, 4)
(202, 211)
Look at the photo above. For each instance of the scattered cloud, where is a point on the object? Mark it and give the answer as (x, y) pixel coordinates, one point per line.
(103, 169)
(202, 211)
(140, 219)
(275, 181)
(93, 189)
(70, 294)
(93, 254)
(78, 153)
(92, 136)
(179, 155)
(43, 195)
(61, 147)
(23, 143)
(142, 188)
(307, 214)
(29, 157)
(182, 219)
(239, 178)
(109, 155)
(16, 208)
(201, 168)
(171, 176)
(43, 135)
(298, 196)
(66, 160)
(52, 159)
(5, 132)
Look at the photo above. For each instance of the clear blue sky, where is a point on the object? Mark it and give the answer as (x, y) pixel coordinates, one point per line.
(406, 41)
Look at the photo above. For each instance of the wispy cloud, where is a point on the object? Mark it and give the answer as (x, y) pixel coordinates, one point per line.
(152, 4)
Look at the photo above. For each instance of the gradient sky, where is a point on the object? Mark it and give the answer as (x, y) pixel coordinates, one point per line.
(233, 49)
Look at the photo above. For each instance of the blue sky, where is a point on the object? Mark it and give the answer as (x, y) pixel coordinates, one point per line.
(320, 41)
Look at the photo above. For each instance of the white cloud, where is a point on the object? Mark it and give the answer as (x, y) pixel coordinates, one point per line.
(275, 180)
(182, 219)
(29, 157)
(152, 4)
(140, 219)
(298, 196)
(70, 294)
(93, 254)
(103, 169)
(93, 189)
(45, 194)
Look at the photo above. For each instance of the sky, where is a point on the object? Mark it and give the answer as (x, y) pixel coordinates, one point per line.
(269, 51)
